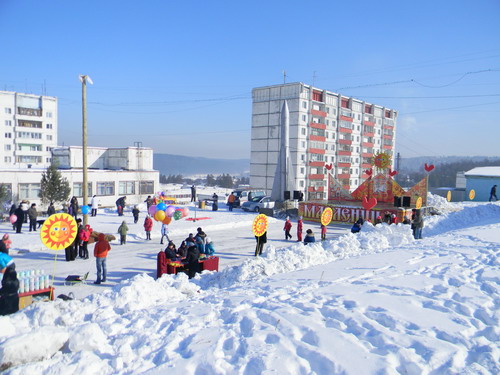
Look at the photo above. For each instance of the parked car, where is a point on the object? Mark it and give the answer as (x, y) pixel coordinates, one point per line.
(255, 204)
(242, 196)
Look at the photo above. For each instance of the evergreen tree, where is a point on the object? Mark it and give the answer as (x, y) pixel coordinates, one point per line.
(53, 187)
(210, 180)
(3, 194)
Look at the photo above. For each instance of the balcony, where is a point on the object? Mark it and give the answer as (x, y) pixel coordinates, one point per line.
(316, 164)
(366, 165)
(345, 130)
(344, 153)
(345, 118)
(319, 138)
(344, 165)
(29, 112)
(369, 134)
(316, 177)
(367, 144)
(385, 136)
(316, 151)
(387, 147)
(317, 125)
(345, 142)
(367, 154)
(313, 189)
(343, 176)
(315, 112)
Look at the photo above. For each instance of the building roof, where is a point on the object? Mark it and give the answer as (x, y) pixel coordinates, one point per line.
(484, 172)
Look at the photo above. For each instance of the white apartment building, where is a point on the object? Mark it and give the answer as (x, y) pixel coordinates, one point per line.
(28, 125)
(327, 130)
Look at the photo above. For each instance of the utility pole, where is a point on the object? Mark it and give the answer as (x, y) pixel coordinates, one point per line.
(83, 80)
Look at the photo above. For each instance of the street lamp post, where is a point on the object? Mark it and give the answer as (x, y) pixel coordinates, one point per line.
(84, 79)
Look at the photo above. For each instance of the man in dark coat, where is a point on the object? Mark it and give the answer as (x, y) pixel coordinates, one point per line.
(9, 297)
(32, 215)
(19, 212)
(493, 193)
(193, 194)
(260, 243)
(192, 261)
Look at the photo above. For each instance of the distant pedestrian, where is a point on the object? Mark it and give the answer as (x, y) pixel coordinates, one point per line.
(323, 232)
(192, 261)
(101, 250)
(11, 212)
(309, 237)
(200, 238)
(19, 212)
(149, 201)
(51, 209)
(73, 204)
(230, 201)
(417, 224)
(123, 230)
(148, 226)
(299, 229)
(25, 208)
(94, 203)
(84, 236)
(493, 193)
(378, 220)
(209, 246)
(164, 233)
(32, 215)
(261, 241)
(193, 194)
(120, 205)
(287, 228)
(135, 213)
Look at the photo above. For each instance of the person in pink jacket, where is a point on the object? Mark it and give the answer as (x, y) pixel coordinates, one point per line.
(148, 226)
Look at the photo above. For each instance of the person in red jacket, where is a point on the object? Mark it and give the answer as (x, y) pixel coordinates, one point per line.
(84, 236)
(101, 249)
(148, 226)
(299, 229)
(287, 228)
(323, 232)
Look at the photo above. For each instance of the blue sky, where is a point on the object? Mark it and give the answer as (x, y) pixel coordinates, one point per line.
(177, 76)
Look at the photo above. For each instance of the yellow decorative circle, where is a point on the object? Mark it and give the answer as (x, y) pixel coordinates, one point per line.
(58, 231)
(418, 204)
(448, 196)
(382, 160)
(472, 194)
(326, 216)
(259, 225)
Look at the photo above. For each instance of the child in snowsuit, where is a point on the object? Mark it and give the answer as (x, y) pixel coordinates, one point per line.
(101, 250)
(164, 232)
(5, 244)
(148, 226)
(84, 240)
(287, 228)
(122, 230)
(209, 246)
(323, 232)
(299, 229)
(9, 297)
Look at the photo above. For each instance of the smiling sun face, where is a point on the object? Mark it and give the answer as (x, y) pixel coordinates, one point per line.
(58, 231)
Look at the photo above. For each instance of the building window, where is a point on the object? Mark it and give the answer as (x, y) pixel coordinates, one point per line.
(7, 147)
(303, 157)
(304, 105)
(126, 188)
(29, 191)
(106, 188)
(77, 189)
(303, 131)
(29, 159)
(8, 110)
(303, 144)
(8, 135)
(304, 118)
(8, 123)
(146, 187)
(302, 170)
(301, 183)
(7, 159)
(49, 137)
(49, 126)
(49, 114)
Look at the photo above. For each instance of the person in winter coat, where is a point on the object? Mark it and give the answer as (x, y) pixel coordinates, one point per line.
(193, 194)
(94, 203)
(170, 251)
(356, 228)
(182, 250)
(84, 236)
(135, 213)
(394, 219)
(78, 245)
(417, 225)
(6, 262)
(11, 212)
(74, 206)
(148, 226)
(123, 230)
(387, 218)
(149, 201)
(309, 238)
(378, 220)
(287, 228)
(5, 243)
(200, 240)
(261, 241)
(164, 232)
(101, 250)
(493, 193)
(299, 229)
(32, 215)
(25, 207)
(51, 209)
(323, 232)
(19, 212)
(9, 297)
(192, 261)
(209, 246)
(230, 201)
(190, 241)
(120, 205)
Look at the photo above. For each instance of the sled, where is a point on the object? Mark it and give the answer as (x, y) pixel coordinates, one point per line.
(76, 279)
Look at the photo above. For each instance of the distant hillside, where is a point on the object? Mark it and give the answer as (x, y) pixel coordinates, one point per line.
(187, 166)
(408, 165)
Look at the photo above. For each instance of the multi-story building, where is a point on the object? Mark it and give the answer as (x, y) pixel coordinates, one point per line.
(328, 132)
(28, 125)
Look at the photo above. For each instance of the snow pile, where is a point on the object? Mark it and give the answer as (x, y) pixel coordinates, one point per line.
(442, 204)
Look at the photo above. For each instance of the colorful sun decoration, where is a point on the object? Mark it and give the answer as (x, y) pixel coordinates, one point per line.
(58, 231)
(259, 225)
(326, 216)
(382, 160)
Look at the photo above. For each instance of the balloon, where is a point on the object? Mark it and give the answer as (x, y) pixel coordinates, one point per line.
(186, 211)
(13, 219)
(161, 206)
(167, 220)
(85, 210)
(152, 210)
(160, 215)
(177, 215)
(170, 211)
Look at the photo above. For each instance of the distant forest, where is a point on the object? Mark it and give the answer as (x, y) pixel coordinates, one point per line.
(445, 175)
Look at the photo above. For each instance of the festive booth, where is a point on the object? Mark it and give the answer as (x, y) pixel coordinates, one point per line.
(377, 195)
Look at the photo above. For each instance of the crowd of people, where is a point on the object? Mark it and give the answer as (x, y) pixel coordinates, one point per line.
(416, 221)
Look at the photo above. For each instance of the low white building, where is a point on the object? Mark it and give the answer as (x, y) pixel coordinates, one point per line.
(112, 173)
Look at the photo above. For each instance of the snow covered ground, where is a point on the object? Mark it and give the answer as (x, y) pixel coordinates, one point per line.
(374, 303)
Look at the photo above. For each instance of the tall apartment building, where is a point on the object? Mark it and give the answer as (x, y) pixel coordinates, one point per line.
(28, 125)
(326, 130)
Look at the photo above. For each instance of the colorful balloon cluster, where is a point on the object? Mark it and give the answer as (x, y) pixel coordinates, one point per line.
(162, 212)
